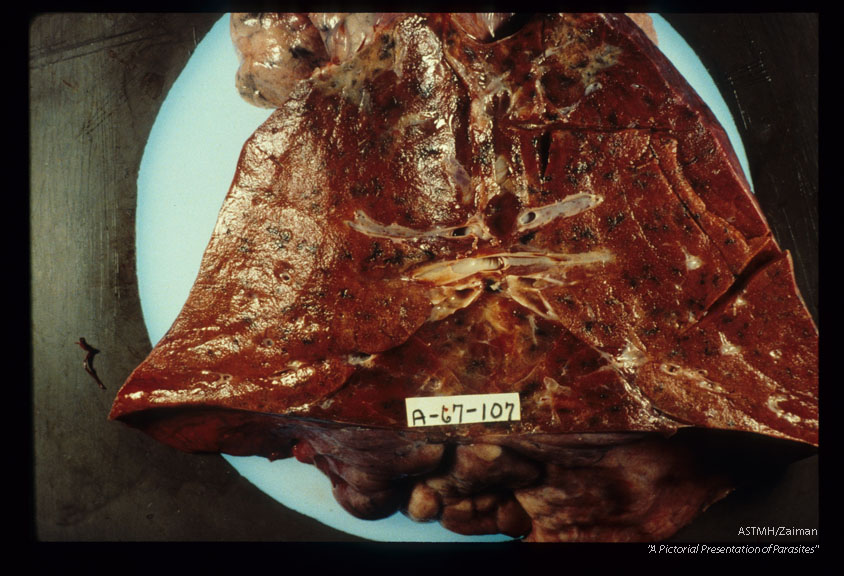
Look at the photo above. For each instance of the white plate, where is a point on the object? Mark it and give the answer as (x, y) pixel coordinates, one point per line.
(187, 168)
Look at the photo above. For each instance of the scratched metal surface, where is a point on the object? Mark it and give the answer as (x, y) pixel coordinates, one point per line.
(96, 83)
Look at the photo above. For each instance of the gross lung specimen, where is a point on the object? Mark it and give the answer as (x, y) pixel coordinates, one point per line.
(544, 208)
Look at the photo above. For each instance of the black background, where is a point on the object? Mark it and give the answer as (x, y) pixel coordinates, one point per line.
(96, 82)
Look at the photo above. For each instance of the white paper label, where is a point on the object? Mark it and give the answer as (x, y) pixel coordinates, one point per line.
(466, 409)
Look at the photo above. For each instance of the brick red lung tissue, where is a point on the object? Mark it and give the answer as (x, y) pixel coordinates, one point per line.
(446, 205)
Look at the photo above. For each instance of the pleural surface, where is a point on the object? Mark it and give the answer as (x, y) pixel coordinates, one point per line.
(439, 210)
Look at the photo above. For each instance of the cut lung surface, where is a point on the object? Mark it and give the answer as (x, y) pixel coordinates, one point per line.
(448, 206)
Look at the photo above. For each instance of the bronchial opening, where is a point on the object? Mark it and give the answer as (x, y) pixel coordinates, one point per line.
(569, 206)
(527, 219)
(522, 276)
(528, 264)
(398, 233)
